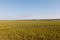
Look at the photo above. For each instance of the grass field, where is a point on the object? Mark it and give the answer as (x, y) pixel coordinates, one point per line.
(30, 30)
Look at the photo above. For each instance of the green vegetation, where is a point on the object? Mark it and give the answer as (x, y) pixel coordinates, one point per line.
(30, 30)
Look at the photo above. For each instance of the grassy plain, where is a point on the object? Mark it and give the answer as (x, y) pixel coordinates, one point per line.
(30, 30)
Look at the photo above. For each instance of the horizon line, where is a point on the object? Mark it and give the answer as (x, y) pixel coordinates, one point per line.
(30, 19)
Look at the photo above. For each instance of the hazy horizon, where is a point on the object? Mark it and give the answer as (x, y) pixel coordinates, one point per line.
(29, 9)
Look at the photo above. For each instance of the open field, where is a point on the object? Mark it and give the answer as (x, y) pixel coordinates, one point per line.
(30, 30)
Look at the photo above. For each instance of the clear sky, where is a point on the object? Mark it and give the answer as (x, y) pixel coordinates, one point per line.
(29, 9)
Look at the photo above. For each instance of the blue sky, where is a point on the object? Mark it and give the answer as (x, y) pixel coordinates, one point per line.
(29, 9)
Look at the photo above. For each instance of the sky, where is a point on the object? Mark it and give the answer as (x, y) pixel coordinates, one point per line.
(29, 9)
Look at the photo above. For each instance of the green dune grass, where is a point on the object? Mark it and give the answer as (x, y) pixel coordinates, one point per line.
(29, 30)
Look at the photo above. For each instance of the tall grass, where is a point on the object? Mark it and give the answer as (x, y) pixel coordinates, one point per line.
(30, 30)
